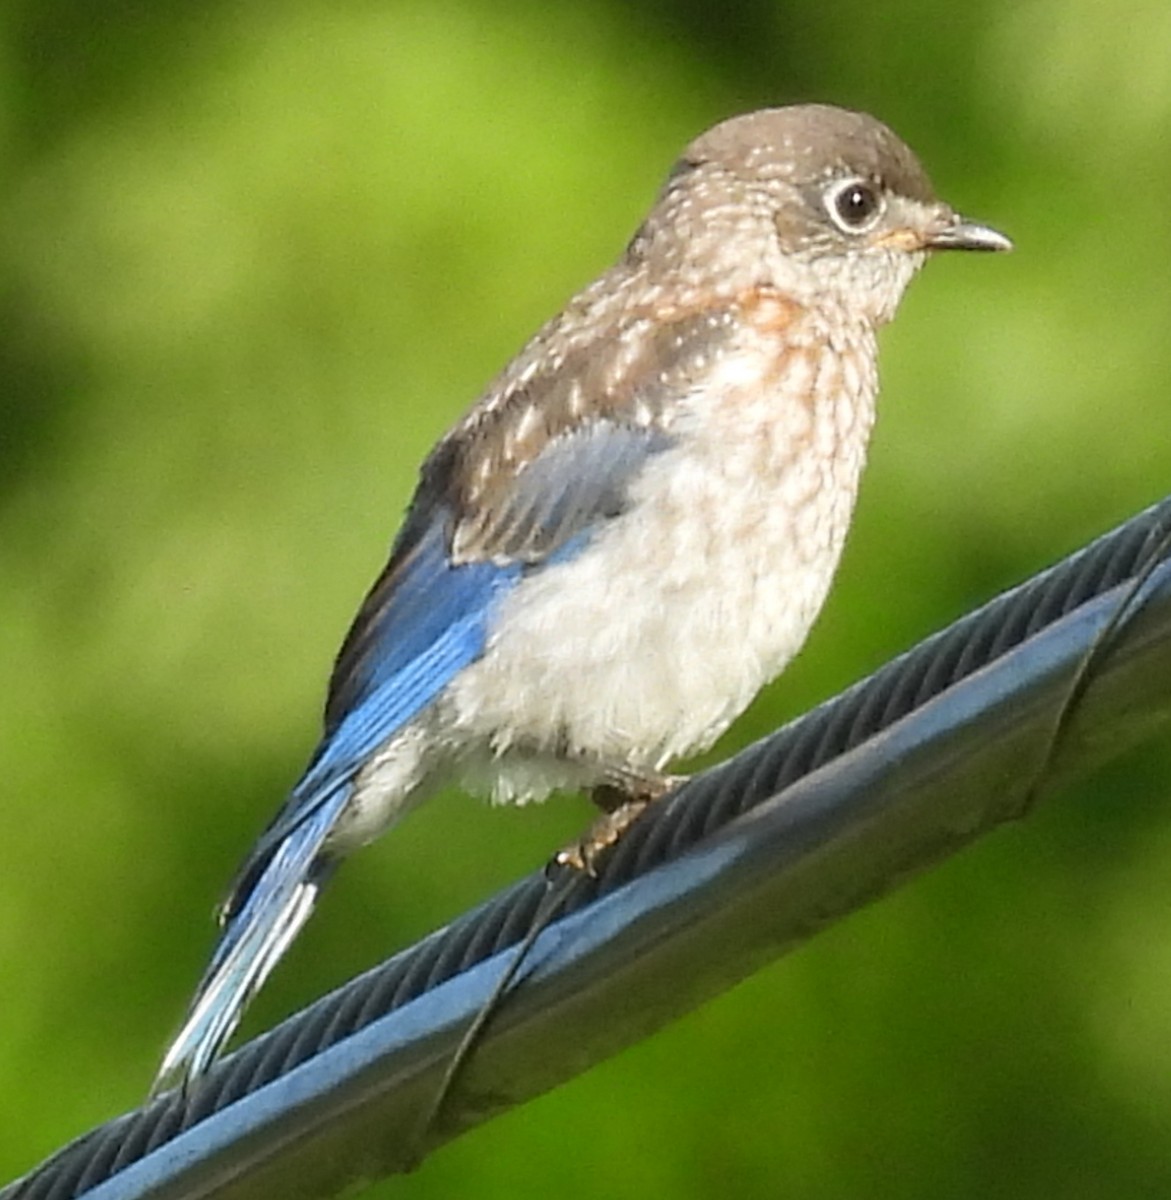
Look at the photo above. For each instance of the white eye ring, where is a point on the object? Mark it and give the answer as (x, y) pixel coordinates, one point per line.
(855, 205)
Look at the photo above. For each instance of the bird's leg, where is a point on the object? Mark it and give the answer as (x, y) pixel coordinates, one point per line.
(623, 798)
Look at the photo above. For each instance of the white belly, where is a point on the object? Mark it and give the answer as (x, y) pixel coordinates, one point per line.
(649, 643)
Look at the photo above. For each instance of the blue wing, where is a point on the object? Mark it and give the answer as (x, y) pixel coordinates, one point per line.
(427, 617)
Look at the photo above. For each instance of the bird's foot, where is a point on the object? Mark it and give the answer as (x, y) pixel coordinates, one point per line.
(624, 800)
(582, 855)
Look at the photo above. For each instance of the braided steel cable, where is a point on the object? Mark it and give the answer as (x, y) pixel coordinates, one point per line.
(699, 809)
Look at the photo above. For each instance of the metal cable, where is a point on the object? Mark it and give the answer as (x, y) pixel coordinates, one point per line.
(700, 806)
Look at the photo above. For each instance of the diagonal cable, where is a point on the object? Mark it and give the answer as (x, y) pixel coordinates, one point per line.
(834, 802)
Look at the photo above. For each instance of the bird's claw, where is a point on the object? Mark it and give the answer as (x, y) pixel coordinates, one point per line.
(624, 802)
(583, 854)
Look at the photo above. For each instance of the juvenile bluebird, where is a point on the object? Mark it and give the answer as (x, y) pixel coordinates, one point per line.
(631, 530)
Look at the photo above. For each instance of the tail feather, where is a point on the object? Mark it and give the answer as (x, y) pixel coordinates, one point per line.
(255, 938)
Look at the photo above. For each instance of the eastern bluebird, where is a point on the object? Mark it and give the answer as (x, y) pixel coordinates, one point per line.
(630, 532)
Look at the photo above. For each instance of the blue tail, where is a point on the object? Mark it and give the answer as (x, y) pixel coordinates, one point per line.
(424, 620)
(255, 938)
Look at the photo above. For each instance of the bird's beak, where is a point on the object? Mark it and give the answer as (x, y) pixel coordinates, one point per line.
(961, 234)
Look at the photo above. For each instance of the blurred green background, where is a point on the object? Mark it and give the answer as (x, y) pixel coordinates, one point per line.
(255, 257)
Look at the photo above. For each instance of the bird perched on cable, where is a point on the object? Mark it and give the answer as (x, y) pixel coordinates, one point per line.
(631, 530)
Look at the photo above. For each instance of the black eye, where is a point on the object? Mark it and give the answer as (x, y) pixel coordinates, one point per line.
(854, 205)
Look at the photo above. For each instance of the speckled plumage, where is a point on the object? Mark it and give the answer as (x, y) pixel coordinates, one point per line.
(633, 528)
(703, 591)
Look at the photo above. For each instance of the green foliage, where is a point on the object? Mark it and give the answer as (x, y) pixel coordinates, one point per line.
(253, 264)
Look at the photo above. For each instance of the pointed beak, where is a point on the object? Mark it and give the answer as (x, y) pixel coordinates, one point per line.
(961, 234)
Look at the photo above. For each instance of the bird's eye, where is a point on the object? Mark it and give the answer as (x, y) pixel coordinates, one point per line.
(854, 205)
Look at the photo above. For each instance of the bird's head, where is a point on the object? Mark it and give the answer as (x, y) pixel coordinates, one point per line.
(823, 203)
